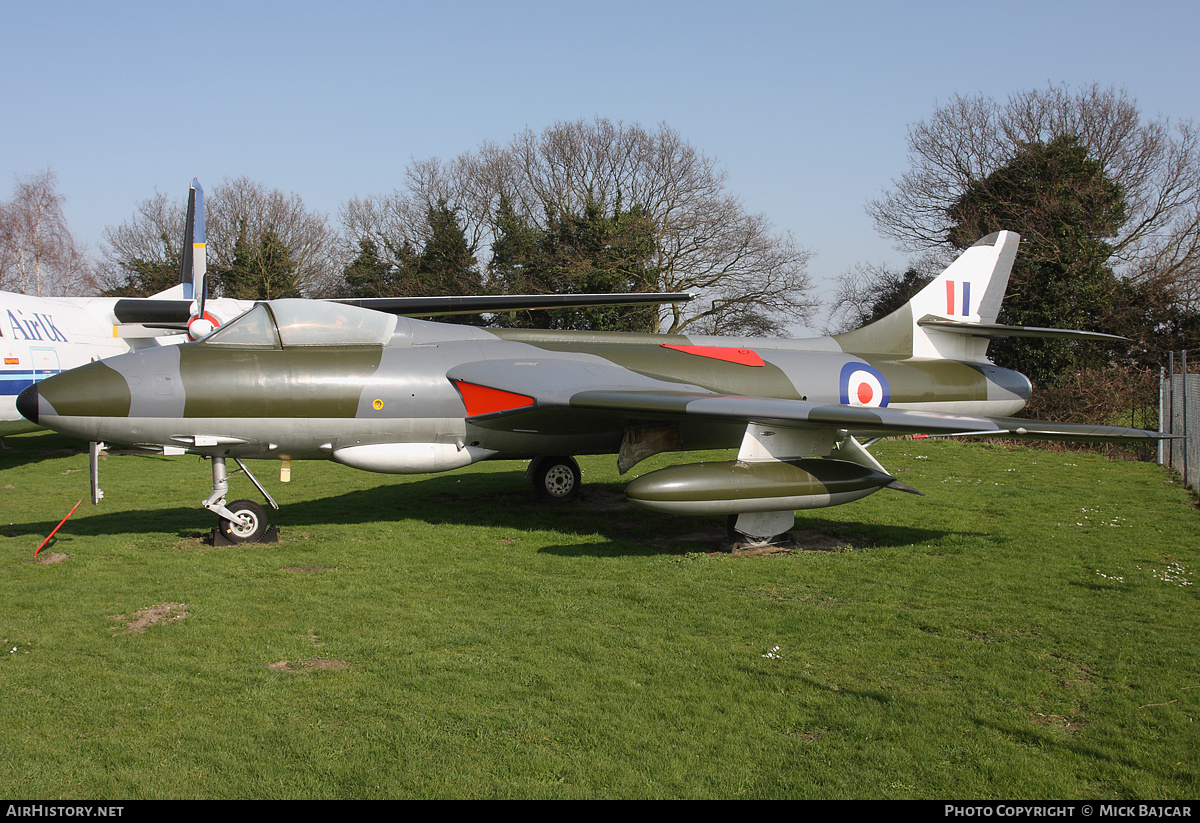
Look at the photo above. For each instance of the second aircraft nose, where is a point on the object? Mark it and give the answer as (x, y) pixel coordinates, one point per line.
(27, 403)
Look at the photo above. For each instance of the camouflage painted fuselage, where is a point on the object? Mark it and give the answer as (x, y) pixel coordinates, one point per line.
(318, 401)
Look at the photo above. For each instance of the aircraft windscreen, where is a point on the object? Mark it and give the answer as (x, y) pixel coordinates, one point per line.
(254, 328)
(304, 323)
(320, 323)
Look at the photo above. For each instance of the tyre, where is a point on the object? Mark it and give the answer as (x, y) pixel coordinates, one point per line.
(254, 528)
(556, 479)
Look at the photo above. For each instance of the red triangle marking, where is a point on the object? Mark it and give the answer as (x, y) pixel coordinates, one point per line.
(744, 357)
(484, 400)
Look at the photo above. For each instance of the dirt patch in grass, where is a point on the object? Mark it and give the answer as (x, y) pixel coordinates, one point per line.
(161, 613)
(1073, 725)
(802, 540)
(311, 663)
(745, 550)
(715, 541)
(50, 557)
(812, 540)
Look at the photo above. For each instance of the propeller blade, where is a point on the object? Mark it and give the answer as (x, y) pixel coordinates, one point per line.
(195, 263)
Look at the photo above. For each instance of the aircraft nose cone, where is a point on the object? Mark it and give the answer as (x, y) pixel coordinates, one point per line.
(27, 403)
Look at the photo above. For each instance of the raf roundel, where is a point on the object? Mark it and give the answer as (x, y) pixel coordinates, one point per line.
(862, 385)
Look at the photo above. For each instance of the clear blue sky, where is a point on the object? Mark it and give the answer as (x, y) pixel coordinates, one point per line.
(805, 104)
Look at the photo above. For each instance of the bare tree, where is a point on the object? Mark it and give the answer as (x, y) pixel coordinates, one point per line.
(150, 241)
(311, 244)
(38, 255)
(1155, 162)
(153, 234)
(752, 279)
(871, 291)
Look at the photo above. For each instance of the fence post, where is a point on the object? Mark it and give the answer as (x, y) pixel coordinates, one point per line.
(1187, 478)
(1171, 410)
(1161, 430)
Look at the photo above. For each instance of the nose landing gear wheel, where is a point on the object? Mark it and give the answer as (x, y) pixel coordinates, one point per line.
(253, 529)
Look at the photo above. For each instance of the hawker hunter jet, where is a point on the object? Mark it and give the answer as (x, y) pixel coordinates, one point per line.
(302, 380)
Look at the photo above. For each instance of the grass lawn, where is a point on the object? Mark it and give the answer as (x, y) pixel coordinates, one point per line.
(1028, 629)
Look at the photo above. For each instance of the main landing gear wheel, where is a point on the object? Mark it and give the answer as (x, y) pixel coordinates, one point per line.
(254, 528)
(556, 479)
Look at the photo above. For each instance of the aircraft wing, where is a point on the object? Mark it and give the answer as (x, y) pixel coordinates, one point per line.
(175, 313)
(541, 387)
(873, 422)
(475, 304)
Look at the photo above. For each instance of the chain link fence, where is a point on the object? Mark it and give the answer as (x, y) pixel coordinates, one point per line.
(1179, 413)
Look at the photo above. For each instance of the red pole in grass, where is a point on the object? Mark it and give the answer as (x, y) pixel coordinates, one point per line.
(56, 528)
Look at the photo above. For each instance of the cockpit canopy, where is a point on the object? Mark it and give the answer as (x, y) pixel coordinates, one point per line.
(289, 323)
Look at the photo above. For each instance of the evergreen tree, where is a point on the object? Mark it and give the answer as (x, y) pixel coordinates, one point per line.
(262, 272)
(1063, 205)
(446, 265)
(1154, 161)
(369, 275)
(276, 271)
(751, 278)
(589, 252)
(236, 278)
(146, 277)
(516, 244)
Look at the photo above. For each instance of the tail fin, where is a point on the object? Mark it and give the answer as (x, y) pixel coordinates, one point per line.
(967, 294)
